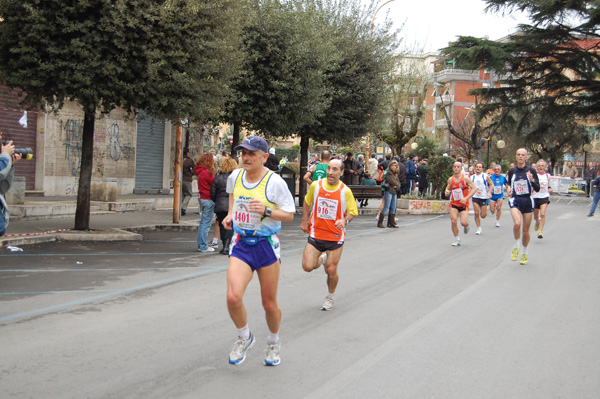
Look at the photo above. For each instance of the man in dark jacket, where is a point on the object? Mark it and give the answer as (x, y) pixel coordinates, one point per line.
(402, 177)
(352, 170)
(422, 172)
(186, 181)
(411, 172)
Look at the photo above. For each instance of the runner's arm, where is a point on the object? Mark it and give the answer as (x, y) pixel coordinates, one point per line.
(490, 186)
(227, 221)
(472, 189)
(308, 175)
(535, 180)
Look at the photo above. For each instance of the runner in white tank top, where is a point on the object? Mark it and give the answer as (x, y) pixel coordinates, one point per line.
(541, 198)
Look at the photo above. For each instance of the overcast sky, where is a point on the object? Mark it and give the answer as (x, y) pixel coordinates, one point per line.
(433, 23)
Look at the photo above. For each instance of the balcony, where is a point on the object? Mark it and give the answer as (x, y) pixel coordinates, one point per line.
(446, 99)
(448, 75)
(441, 123)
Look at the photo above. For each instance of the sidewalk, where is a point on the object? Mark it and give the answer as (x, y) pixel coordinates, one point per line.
(44, 219)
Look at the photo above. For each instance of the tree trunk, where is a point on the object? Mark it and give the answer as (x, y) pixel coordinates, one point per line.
(304, 143)
(82, 213)
(236, 135)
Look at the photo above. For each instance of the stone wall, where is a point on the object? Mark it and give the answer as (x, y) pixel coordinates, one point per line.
(59, 147)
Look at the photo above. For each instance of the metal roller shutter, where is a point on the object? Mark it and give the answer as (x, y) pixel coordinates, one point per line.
(149, 153)
(12, 125)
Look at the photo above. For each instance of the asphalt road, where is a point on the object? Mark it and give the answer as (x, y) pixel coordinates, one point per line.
(413, 318)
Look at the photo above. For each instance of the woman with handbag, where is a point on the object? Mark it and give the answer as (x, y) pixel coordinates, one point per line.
(391, 185)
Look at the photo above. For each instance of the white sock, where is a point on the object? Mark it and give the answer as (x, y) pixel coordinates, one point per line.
(215, 240)
(244, 332)
(273, 338)
(518, 244)
(524, 251)
(457, 238)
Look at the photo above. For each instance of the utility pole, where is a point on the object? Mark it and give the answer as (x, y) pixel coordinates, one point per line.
(177, 172)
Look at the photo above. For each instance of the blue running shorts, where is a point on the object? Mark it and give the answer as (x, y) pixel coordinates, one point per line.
(261, 252)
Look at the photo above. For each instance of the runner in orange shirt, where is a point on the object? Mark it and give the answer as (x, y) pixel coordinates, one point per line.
(461, 189)
(328, 208)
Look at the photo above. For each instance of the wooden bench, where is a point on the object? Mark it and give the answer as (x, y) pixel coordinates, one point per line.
(366, 192)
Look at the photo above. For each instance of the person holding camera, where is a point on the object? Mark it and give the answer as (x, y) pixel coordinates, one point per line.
(7, 173)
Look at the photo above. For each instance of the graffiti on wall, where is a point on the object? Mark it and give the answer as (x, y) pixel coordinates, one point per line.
(120, 145)
(71, 188)
(72, 132)
(428, 206)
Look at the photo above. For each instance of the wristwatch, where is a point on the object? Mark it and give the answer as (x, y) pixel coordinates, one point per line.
(268, 211)
(347, 221)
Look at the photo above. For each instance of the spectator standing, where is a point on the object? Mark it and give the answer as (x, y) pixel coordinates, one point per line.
(596, 183)
(219, 195)
(7, 173)
(402, 177)
(386, 162)
(411, 173)
(570, 171)
(590, 173)
(372, 166)
(422, 173)
(205, 170)
(283, 161)
(390, 196)
(351, 170)
(272, 162)
(362, 167)
(186, 180)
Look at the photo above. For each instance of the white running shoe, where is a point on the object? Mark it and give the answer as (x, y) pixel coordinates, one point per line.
(272, 354)
(497, 223)
(209, 249)
(466, 229)
(328, 303)
(456, 243)
(241, 346)
(478, 232)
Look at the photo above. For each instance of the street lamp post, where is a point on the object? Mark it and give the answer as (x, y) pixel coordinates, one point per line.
(586, 148)
(500, 144)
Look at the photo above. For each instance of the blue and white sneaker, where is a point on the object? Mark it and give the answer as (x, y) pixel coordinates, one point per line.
(272, 354)
(241, 346)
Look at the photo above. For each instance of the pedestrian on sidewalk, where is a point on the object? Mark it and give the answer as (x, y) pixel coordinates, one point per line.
(391, 186)
(186, 181)
(327, 209)
(259, 201)
(596, 183)
(205, 170)
(7, 173)
(219, 195)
